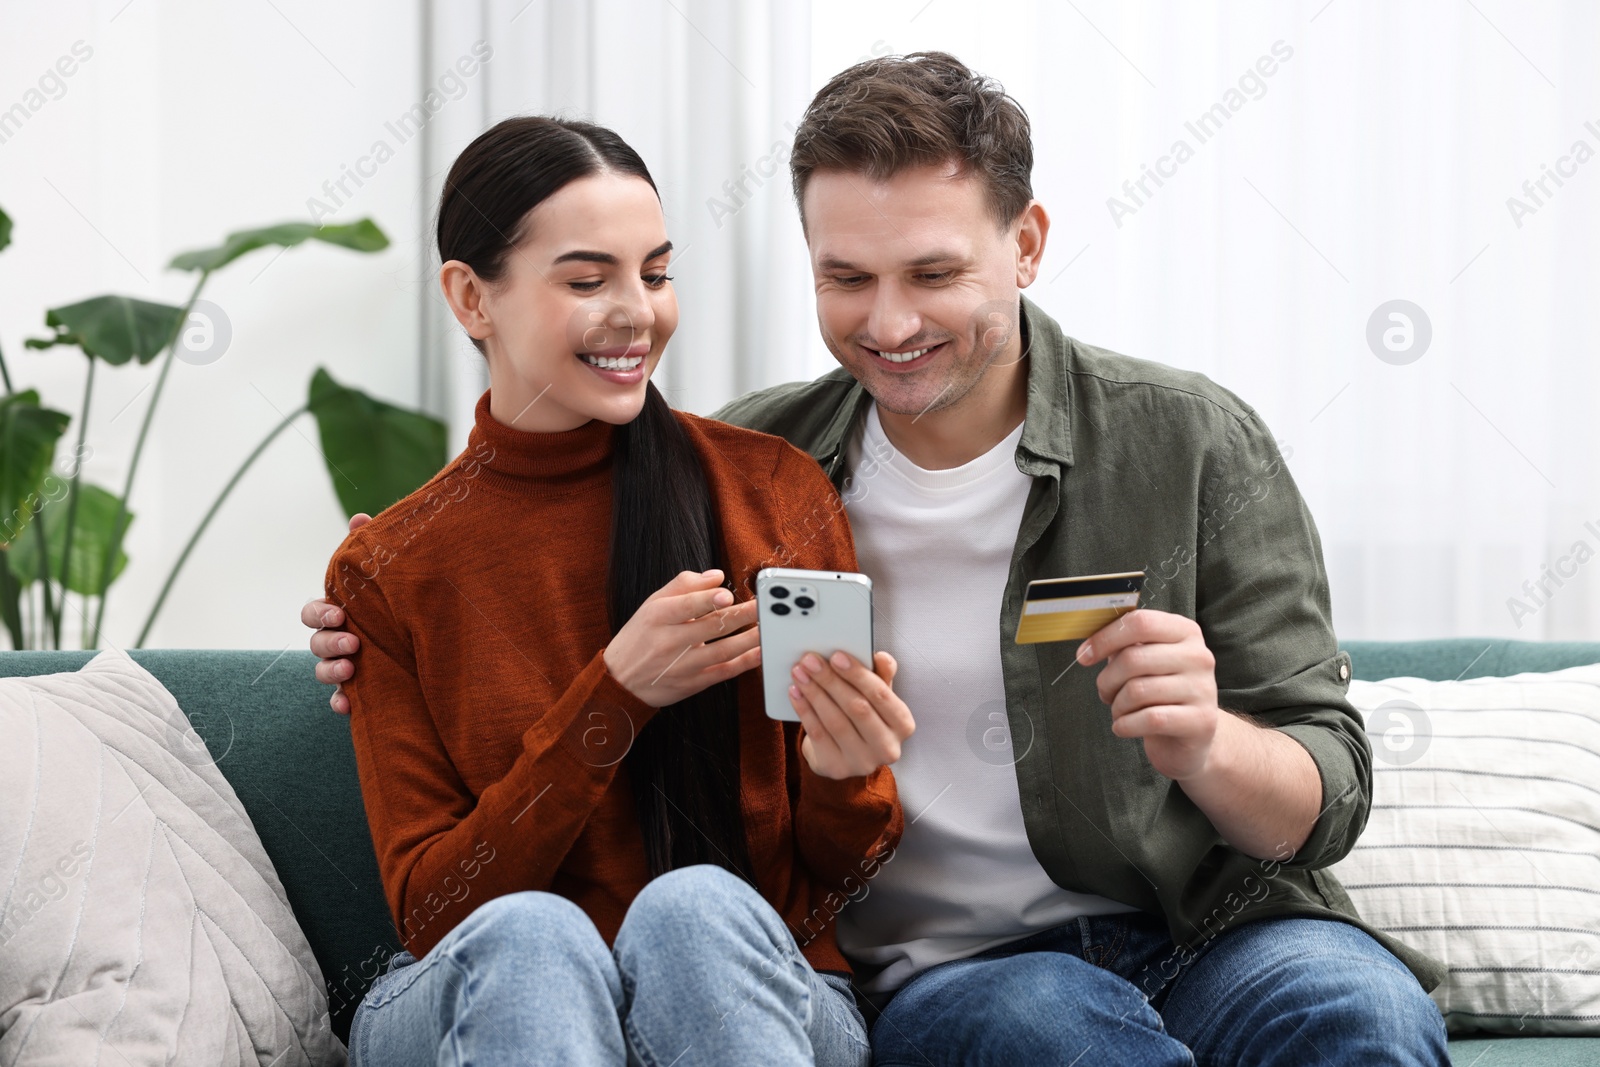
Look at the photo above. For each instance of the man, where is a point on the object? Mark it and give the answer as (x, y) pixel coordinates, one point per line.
(1113, 865)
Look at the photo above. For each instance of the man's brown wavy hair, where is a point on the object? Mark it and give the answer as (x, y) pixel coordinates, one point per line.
(885, 115)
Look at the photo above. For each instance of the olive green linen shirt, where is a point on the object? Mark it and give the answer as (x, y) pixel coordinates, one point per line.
(1140, 466)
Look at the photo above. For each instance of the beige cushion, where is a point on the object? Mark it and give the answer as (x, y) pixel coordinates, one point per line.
(140, 919)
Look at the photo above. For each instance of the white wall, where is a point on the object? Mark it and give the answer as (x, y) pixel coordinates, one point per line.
(191, 119)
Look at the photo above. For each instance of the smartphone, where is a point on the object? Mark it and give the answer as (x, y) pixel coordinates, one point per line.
(804, 611)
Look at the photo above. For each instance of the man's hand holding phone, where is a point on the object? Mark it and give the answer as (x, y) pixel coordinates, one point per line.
(818, 624)
(854, 723)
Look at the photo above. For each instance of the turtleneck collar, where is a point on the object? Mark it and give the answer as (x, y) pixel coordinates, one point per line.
(561, 461)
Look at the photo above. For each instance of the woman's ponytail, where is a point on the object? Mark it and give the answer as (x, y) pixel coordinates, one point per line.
(684, 764)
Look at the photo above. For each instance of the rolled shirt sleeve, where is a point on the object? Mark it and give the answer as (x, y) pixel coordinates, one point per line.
(1263, 605)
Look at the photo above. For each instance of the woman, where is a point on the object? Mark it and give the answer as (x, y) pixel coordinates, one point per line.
(596, 847)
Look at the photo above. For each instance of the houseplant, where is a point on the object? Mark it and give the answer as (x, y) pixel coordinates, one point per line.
(63, 536)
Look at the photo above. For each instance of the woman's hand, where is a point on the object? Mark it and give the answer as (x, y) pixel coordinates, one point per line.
(854, 723)
(669, 649)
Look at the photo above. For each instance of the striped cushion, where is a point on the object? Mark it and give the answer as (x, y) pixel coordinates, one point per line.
(1483, 848)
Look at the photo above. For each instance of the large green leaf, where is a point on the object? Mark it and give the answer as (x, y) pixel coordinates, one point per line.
(5, 229)
(28, 436)
(376, 452)
(360, 236)
(91, 537)
(114, 328)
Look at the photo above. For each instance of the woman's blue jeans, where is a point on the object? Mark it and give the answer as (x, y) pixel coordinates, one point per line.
(703, 971)
(1113, 989)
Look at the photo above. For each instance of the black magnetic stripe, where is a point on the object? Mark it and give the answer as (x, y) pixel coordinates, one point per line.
(1069, 587)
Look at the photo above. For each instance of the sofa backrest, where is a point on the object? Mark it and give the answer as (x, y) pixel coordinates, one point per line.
(266, 721)
(1448, 659)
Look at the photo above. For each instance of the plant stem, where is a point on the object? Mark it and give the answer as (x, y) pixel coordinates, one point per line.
(183, 556)
(115, 544)
(44, 573)
(10, 588)
(11, 602)
(72, 501)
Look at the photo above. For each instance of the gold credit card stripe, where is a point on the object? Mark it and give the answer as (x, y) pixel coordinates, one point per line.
(1058, 605)
(1066, 626)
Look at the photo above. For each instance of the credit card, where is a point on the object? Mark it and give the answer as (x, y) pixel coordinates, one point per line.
(1069, 609)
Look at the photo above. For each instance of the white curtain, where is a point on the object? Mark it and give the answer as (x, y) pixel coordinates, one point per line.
(1338, 156)
(1372, 164)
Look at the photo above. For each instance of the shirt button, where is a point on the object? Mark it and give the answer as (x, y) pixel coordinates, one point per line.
(1344, 671)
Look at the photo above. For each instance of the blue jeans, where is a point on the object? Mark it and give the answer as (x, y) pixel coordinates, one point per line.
(703, 971)
(1113, 989)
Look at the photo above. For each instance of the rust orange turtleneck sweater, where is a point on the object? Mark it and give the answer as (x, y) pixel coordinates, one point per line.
(488, 733)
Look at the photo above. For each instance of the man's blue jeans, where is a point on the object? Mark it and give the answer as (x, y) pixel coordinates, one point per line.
(703, 971)
(1113, 989)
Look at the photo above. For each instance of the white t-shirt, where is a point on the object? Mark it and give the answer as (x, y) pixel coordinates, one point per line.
(937, 545)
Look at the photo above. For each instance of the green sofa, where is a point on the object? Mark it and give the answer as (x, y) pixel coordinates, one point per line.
(267, 722)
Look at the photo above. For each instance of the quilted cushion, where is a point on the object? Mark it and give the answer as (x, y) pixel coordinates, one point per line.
(138, 909)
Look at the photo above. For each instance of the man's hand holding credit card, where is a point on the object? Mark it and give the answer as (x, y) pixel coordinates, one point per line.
(1215, 755)
(1174, 708)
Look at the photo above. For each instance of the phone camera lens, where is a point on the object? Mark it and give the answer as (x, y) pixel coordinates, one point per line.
(780, 609)
(778, 591)
(804, 602)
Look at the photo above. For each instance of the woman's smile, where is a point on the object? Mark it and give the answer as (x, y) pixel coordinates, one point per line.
(623, 364)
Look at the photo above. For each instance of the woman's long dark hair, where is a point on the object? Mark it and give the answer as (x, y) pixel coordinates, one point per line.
(684, 765)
